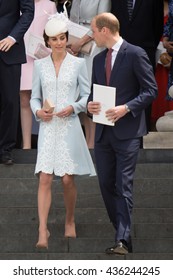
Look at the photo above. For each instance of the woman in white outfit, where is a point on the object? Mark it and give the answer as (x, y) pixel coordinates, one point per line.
(62, 149)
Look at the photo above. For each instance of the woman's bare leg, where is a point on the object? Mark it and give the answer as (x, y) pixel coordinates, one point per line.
(44, 202)
(70, 195)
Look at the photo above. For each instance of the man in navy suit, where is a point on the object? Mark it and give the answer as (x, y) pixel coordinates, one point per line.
(15, 18)
(116, 147)
(143, 28)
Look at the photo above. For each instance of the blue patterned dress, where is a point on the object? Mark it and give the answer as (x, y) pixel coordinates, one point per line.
(62, 148)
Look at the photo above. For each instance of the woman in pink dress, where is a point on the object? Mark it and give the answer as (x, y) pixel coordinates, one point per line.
(43, 9)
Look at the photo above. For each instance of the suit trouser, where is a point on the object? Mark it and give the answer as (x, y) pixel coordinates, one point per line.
(116, 162)
(9, 105)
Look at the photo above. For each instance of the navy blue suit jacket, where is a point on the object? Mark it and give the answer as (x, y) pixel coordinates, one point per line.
(132, 76)
(15, 18)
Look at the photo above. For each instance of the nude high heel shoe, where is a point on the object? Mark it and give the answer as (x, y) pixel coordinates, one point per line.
(43, 240)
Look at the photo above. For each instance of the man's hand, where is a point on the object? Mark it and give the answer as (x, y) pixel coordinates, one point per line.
(116, 113)
(94, 107)
(6, 44)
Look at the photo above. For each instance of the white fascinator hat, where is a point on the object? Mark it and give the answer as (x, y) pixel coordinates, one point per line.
(57, 23)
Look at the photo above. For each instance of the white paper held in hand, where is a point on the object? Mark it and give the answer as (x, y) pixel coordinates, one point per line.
(106, 96)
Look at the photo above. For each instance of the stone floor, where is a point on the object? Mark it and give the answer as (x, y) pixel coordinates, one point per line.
(158, 140)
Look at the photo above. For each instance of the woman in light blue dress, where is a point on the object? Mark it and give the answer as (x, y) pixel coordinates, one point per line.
(62, 149)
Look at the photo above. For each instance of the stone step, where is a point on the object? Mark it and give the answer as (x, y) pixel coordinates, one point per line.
(84, 256)
(85, 201)
(30, 200)
(94, 230)
(83, 215)
(83, 245)
(85, 185)
(147, 155)
(57, 230)
(143, 170)
(159, 139)
(152, 225)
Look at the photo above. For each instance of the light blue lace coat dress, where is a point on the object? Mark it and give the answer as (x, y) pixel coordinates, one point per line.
(62, 148)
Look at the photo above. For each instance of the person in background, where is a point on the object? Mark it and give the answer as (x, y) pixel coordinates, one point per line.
(15, 19)
(162, 103)
(116, 147)
(168, 44)
(43, 9)
(60, 5)
(82, 12)
(138, 31)
(62, 149)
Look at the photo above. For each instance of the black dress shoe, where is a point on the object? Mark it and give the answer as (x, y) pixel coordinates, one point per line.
(7, 159)
(119, 248)
(129, 245)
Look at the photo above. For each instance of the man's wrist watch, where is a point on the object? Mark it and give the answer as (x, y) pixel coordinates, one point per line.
(127, 108)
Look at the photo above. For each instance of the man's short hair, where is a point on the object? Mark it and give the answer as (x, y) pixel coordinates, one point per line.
(107, 20)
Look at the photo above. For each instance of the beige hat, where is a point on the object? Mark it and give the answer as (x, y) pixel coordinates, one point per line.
(55, 26)
(57, 23)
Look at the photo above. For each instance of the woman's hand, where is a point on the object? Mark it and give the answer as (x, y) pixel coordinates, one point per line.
(44, 116)
(76, 47)
(168, 44)
(66, 112)
(69, 50)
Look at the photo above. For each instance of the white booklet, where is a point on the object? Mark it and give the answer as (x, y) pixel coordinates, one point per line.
(106, 96)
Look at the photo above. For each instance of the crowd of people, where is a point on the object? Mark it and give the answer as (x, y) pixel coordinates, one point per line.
(123, 57)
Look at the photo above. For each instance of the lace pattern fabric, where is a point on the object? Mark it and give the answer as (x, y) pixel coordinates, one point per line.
(57, 143)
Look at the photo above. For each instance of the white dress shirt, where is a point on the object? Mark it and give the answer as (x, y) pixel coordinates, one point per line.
(116, 48)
